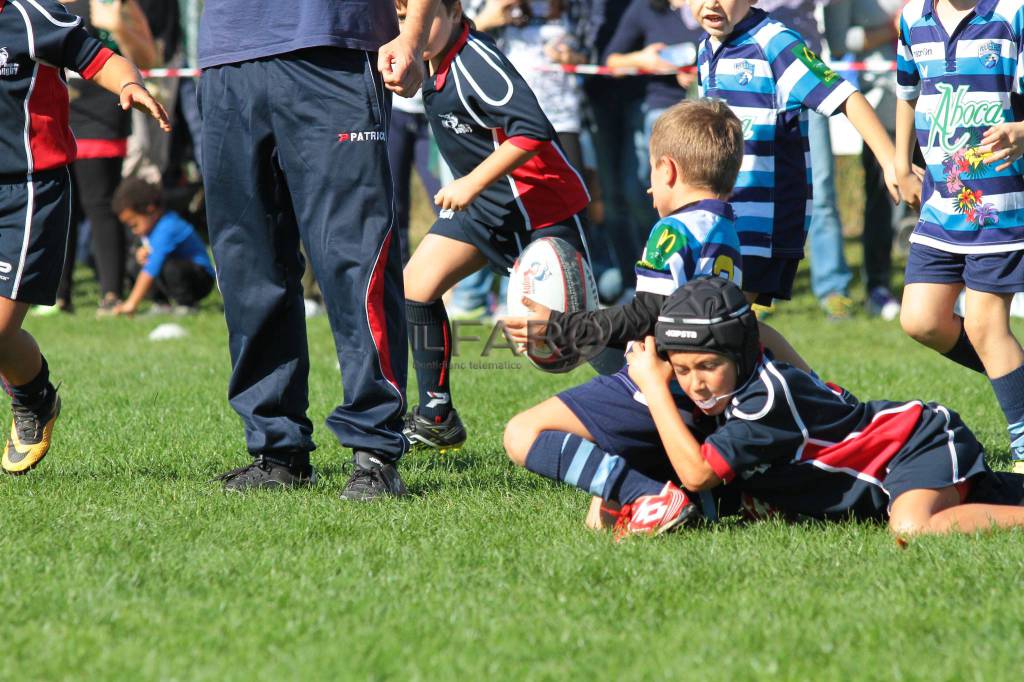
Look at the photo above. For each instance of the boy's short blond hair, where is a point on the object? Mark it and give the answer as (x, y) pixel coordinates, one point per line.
(705, 139)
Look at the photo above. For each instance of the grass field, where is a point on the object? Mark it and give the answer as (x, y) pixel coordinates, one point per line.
(123, 561)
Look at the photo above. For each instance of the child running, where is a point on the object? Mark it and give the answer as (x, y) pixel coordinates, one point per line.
(512, 185)
(959, 75)
(38, 40)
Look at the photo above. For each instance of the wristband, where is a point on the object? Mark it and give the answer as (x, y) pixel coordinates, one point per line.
(133, 83)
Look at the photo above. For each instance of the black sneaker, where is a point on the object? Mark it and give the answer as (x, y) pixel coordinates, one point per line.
(445, 435)
(266, 474)
(371, 478)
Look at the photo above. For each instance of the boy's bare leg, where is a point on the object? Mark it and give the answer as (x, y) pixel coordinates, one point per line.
(20, 359)
(437, 265)
(928, 512)
(552, 415)
(927, 314)
(987, 322)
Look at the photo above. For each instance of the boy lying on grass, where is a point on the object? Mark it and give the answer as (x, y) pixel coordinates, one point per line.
(781, 436)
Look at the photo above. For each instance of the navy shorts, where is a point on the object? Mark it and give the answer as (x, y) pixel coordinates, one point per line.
(942, 452)
(34, 222)
(501, 248)
(994, 273)
(611, 409)
(769, 278)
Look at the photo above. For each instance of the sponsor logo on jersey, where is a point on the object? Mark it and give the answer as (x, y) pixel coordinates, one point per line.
(451, 122)
(744, 72)
(5, 267)
(956, 111)
(922, 52)
(989, 54)
(362, 136)
(7, 70)
(815, 65)
(664, 241)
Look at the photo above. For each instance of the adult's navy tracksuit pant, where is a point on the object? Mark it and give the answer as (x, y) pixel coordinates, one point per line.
(294, 149)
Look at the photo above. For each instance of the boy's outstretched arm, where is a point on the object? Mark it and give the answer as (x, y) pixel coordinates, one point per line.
(864, 119)
(611, 327)
(460, 193)
(652, 375)
(143, 283)
(120, 77)
(906, 175)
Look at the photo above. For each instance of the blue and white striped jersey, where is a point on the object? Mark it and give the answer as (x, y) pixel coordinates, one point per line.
(698, 239)
(770, 78)
(964, 83)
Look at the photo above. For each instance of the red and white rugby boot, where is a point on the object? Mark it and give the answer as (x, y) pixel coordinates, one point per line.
(655, 514)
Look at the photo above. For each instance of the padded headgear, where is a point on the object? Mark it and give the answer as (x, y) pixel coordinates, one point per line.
(710, 315)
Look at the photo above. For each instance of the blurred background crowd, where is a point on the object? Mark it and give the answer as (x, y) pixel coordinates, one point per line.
(603, 123)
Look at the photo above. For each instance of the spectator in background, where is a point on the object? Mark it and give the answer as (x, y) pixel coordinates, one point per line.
(148, 150)
(101, 128)
(409, 146)
(830, 275)
(173, 258)
(615, 108)
(654, 36)
(866, 30)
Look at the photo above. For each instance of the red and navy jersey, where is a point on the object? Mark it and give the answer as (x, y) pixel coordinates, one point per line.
(475, 102)
(813, 449)
(38, 40)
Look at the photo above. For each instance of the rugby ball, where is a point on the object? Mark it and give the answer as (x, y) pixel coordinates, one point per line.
(553, 273)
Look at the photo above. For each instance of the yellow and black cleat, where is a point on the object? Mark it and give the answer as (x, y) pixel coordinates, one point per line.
(30, 438)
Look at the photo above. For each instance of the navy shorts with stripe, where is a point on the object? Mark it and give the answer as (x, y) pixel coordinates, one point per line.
(501, 248)
(769, 278)
(34, 222)
(994, 273)
(941, 452)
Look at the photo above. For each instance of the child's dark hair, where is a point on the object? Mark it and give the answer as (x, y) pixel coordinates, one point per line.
(137, 195)
(705, 139)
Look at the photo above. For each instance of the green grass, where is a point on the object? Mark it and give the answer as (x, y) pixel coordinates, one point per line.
(123, 561)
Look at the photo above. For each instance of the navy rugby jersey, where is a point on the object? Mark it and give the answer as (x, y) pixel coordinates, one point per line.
(770, 78)
(812, 448)
(38, 39)
(475, 102)
(964, 83)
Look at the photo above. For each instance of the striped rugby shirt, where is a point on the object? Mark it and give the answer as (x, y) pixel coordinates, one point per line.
(770, 78)
(475, 102)
(964, 83)
(38, 39)
(699, 239)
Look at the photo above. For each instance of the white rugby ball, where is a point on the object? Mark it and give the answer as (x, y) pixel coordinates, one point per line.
(553, 273)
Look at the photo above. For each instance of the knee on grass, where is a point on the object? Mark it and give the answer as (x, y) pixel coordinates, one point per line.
(520, 433)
